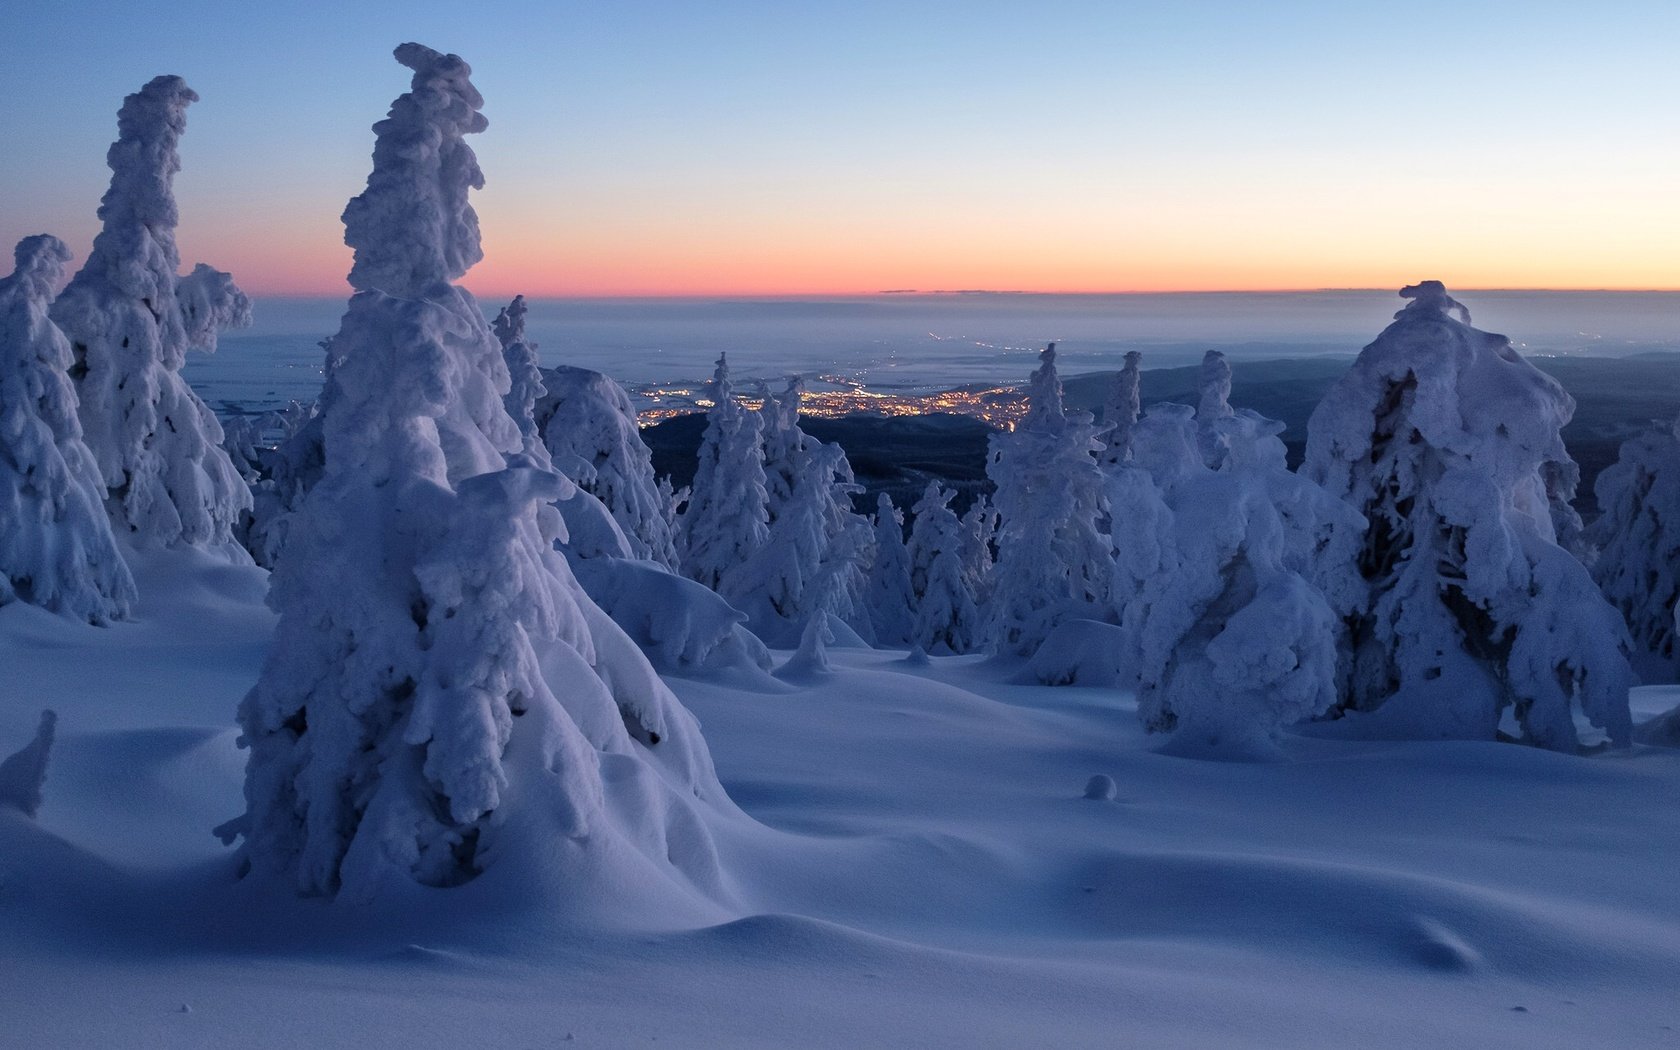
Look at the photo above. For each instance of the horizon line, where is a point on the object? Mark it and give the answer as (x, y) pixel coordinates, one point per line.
(955, 293)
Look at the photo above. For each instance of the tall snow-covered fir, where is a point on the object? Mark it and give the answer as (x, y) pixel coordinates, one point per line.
(525, 381)
(56, 547)
(1052, 560)
(131, 319)
(1439, 436)
(441, 696)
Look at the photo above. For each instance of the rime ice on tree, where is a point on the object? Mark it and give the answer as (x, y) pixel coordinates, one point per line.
(441, 696)
(131, 321)
(1052, 562)
(56, 548)
(1439, 436)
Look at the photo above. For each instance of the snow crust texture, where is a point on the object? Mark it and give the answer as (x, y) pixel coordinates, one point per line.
(131, 321)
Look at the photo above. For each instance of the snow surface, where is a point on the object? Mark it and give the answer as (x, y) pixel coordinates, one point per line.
(920, 867)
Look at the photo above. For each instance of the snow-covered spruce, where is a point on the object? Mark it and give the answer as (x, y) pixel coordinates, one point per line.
(441, 696)
(589, 427)
(131, 320)
(892, 603)
(525, 380)
(817, 546)
(947, 620)
(1638, 537)
(725, 524)
(24, 773)
(1052, 560)
(979, 556)
(1120, 414)
(1231, 642)
(56, 547)
(1439, 436)
(1213, 385)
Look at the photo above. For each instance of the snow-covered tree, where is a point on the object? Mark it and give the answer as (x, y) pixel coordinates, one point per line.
(525, 379)
(979, 530)
(784, 442)
(441, 695)
(1229, 638)
(1052, 560)
(1439, 436)
(1213, 384)
(946, 618)
(892, 603)
(131, 321)
(816, 561)
(1120, 414)
(725, 523)
(590, 429)
(56, 547)
(1638, 536)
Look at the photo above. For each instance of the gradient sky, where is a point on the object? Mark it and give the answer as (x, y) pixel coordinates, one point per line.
(660, 148)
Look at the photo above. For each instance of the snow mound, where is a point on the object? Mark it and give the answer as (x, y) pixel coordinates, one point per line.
(1082, 652)
(683, 627)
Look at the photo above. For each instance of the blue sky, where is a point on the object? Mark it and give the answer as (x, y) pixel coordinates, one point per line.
(664, 147)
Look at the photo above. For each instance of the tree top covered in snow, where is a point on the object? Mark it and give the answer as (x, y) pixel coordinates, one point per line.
(413, 228)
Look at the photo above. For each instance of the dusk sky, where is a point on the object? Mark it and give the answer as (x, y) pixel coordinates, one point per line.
(669, 148)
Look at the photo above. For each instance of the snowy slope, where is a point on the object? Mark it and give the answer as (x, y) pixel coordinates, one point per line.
(921, 869)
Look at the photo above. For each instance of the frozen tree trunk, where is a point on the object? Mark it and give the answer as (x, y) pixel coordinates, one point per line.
(1052, 558)
(24, 773)
(441, 696)
(1440, 437)
(131, 321)
(56, 547)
